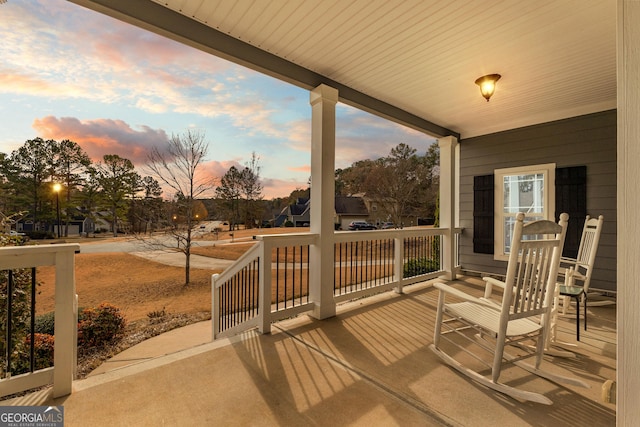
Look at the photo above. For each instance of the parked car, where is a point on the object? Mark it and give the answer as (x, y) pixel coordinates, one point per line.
(387, 225)
(361, 225)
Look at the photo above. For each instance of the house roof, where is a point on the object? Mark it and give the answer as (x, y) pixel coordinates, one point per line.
(298, 209)
(414, 62)
(346, 205)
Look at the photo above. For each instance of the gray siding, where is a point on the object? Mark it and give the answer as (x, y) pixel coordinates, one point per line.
(586, 140)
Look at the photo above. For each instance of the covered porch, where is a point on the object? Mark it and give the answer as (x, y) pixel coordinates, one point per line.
(368, 365)
(373, 358)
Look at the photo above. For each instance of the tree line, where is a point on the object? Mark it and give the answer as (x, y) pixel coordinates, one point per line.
(113, 189)
(402, 184)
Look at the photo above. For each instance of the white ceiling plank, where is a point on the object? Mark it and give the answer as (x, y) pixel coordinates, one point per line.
(557, 57)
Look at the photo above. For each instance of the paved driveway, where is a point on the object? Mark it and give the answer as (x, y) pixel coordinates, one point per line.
(131, 244)
(177, 259)
(153, 249)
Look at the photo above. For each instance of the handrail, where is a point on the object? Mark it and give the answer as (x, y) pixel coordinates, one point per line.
(239, 264)
(370, 263)
(282, 240)
(347, 236)
(61, 256)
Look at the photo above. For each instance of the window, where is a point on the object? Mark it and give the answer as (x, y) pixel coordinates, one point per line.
(528, 189)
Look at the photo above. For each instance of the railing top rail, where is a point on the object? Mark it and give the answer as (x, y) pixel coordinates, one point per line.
(350, 236)
(55, 247)
(33, 256)
(253, 253)
(276, 240)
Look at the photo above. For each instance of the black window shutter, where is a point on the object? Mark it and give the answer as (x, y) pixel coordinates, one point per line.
(483, 194)
(571, 197)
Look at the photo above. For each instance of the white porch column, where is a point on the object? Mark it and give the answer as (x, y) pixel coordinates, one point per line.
(449, 172)
(628, 233)
(323, 101)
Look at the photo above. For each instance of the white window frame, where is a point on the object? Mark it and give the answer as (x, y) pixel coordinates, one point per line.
(548, 171)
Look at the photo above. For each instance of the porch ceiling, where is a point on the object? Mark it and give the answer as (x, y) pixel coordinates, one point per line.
(420, 58)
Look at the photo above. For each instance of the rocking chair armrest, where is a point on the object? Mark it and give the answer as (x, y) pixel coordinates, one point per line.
(493, 281)
(574, 265)
(570, 263)
(464, 296)
(490, 281)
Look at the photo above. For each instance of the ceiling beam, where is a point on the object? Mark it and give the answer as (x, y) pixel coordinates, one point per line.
(173, 25)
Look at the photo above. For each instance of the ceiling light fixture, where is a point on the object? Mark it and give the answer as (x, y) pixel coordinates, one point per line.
(488, 84)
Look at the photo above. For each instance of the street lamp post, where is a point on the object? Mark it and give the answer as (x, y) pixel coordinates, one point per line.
(56, 188)
(175, 229)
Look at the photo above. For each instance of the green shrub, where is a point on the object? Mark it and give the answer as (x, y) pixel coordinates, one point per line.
(45, 323)
(416, 267)
(40, 235)
(100, 326)
(288, 224)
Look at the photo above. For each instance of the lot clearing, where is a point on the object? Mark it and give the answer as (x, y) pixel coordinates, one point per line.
(151, 296)
(140, 286)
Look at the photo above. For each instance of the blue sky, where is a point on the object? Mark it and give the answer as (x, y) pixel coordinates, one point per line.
(70, 73)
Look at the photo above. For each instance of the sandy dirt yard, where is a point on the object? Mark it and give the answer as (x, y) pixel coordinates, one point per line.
(135, 285)
(140, 286)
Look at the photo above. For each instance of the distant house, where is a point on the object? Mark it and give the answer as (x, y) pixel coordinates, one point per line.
(350, 208)
(298, 213)
(347, 209)
(79, 224)
(382, 210)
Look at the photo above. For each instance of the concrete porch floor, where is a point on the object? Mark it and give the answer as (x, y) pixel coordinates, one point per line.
(369, 365)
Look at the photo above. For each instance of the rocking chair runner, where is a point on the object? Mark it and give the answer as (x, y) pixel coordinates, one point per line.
(522, 315)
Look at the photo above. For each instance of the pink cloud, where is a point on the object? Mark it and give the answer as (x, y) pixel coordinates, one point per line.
(304, 168)
(273, 188)
(103, 136)
(122, 45)
(13, 82)
(106, 136)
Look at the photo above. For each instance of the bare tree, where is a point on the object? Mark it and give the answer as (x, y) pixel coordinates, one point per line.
(177, 167)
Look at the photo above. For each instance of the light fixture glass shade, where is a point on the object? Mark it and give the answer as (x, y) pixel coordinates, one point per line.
(488, 84)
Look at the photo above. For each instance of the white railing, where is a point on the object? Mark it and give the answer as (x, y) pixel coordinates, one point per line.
(61, 256)
(275, 273)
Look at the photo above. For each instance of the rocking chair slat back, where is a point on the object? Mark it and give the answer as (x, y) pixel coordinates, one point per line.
(532, 269)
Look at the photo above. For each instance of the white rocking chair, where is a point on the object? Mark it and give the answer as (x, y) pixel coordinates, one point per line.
(581, 267)
(521, 316)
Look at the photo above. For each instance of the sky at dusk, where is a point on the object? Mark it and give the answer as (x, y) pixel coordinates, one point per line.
(67, 72)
